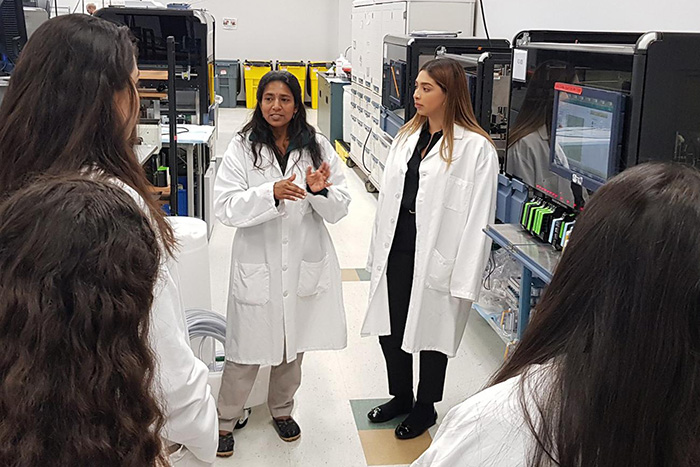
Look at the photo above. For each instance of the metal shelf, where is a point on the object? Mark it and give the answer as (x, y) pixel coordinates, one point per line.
(493, 319)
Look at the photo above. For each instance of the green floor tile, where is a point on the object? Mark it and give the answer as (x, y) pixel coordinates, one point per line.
(360, 407)
(363, 274)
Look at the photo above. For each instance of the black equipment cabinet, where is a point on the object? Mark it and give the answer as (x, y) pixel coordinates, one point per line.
(657, 73)
(403, 58)
(193, 31)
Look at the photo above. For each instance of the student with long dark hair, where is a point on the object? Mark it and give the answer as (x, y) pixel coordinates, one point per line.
(428, 249)
(278, 184)
(78, 265)
(72, 107)
(608, 370)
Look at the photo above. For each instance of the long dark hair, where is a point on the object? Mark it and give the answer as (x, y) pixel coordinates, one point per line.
(298, 127)
(620, 326)
(78, 264)
(449, 75)
(59, 113)
(537, 107)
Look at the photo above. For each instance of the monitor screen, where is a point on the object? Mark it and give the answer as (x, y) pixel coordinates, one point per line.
(13, 33)
(586, 134)
(152, 30)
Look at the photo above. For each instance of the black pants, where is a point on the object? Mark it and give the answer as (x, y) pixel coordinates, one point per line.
(399, 364)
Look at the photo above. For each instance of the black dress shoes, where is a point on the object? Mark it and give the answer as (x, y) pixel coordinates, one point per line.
(414, 426)
(390, 410)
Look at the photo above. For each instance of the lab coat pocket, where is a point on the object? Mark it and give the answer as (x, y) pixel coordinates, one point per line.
(458, 194)
(314, 278)
(439, 272)
(251, 283)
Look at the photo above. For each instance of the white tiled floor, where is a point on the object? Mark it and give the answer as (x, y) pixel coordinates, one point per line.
(331, 379)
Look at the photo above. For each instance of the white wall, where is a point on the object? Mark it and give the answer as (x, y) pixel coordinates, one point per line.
(306, 30)
(344, 26)
(276, 29)
(505, 18)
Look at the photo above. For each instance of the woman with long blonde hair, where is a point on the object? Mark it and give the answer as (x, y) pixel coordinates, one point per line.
(428, 248)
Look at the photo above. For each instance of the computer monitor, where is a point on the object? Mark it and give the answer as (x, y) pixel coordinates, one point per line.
(13, 33)
(587, 123)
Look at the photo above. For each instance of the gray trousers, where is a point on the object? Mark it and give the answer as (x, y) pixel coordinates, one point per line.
(237, 381)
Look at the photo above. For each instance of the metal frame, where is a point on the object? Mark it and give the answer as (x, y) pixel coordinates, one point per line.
(419, 46)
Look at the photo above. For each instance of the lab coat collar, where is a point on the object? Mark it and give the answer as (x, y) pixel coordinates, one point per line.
(542, 131)
(458, 133)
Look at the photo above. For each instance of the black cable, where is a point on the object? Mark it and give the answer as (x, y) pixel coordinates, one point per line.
(490, 268)
(364, 148)
(483, 17)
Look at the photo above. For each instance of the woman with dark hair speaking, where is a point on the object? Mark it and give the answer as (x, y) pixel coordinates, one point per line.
(608, 371)
(78, 265)
(278, 184)
(51, 124)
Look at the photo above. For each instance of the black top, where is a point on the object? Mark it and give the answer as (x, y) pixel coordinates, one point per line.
(410, 187)
(405, 234)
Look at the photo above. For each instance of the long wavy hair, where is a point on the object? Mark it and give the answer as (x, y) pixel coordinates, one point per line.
(59, 113)
(297, 129)
(450, 76)
(78, 263)
(620, 327)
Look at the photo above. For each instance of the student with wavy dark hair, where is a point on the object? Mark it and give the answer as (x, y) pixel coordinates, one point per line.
(608, 371)
(72, 107)
(78, 265)
(279, 183)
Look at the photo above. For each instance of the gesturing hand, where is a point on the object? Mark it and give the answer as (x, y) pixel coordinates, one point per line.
(318, 179)
(286, 189)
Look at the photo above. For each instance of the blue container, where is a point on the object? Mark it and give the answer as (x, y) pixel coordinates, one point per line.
(503, 202)
(517, 200)
(181, 199)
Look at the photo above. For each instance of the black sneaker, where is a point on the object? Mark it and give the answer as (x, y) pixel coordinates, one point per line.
(225, 448)
(287, 429)
(243, 421)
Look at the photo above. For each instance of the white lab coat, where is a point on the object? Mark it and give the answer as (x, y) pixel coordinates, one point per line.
(529, 160)
(182, 379)
(453, 206)
(489, 428)
(285, 285)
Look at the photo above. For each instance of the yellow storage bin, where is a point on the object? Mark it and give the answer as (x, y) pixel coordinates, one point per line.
(253, 71)
(342, 150)
(298, 69)
(314, 69)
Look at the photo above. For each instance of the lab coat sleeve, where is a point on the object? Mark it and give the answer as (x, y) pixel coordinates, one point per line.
(190, 409)
(334, 206)
(236, 204)
(475, 245)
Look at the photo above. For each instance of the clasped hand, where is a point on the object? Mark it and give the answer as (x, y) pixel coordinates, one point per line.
(317, 180)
